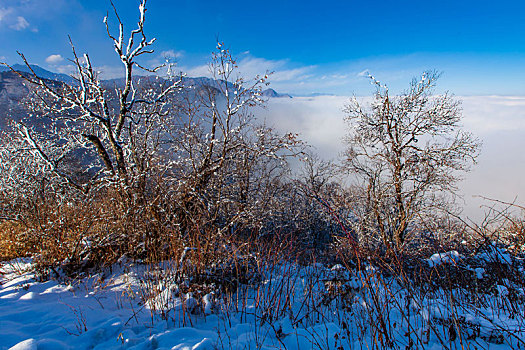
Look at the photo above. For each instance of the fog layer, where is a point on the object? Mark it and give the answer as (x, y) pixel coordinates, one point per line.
(498, 121)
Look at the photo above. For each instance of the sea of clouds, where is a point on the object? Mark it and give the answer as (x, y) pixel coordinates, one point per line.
(498, 121)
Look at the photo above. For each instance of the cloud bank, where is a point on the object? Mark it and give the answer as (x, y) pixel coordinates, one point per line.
(499, 121)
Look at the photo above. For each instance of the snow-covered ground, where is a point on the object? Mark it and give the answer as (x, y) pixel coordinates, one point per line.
(88, 314)
(290, 307)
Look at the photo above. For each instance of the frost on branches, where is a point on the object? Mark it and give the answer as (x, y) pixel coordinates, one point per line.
(188, 153)
(408, 151)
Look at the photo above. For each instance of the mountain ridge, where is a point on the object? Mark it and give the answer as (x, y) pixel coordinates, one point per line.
(13, 88)
(194, 81)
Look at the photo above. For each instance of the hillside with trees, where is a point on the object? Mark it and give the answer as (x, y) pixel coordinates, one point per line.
(164, 214)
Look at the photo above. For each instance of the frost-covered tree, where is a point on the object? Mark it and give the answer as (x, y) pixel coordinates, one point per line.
(114, 130)
(408, 151)
(156, 158)
(225, 160)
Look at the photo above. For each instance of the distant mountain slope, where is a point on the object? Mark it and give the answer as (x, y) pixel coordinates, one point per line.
(13, 89)
(41, 72)
(271, 93)
(195, 82)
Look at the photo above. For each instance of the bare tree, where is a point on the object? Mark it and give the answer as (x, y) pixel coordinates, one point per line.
(96, 147)
(316, 186)
(156, 162)
(408, 151)
(91, 116)
(226, 161)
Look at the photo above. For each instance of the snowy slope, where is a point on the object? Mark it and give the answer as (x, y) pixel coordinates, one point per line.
(292, 308)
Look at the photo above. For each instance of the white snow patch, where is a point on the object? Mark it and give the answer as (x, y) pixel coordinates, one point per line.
(451, 257)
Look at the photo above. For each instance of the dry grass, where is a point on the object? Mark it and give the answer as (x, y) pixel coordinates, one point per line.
(13, 243)
(265, 278)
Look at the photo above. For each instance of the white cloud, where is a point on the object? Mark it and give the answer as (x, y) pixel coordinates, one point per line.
(54, 59)
(4, 12)
(197, 71)
(491, 114)
(319, 120)
(23, 14)
(364, 73)
(499, 121)
(298, 74)
(66, 69)
(110, 72)
(159, 61)
(285, 74)
(20, 24)
(104, 72)
(351, 77)
(282, 71)
(171, 54)
(9, 19)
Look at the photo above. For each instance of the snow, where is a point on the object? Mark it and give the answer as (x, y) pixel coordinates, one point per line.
(496, 254)
(109, 311)
(451, 257)
(502, 290)
(479, 272)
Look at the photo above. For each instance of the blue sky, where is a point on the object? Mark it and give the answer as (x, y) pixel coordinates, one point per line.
(313, 46)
